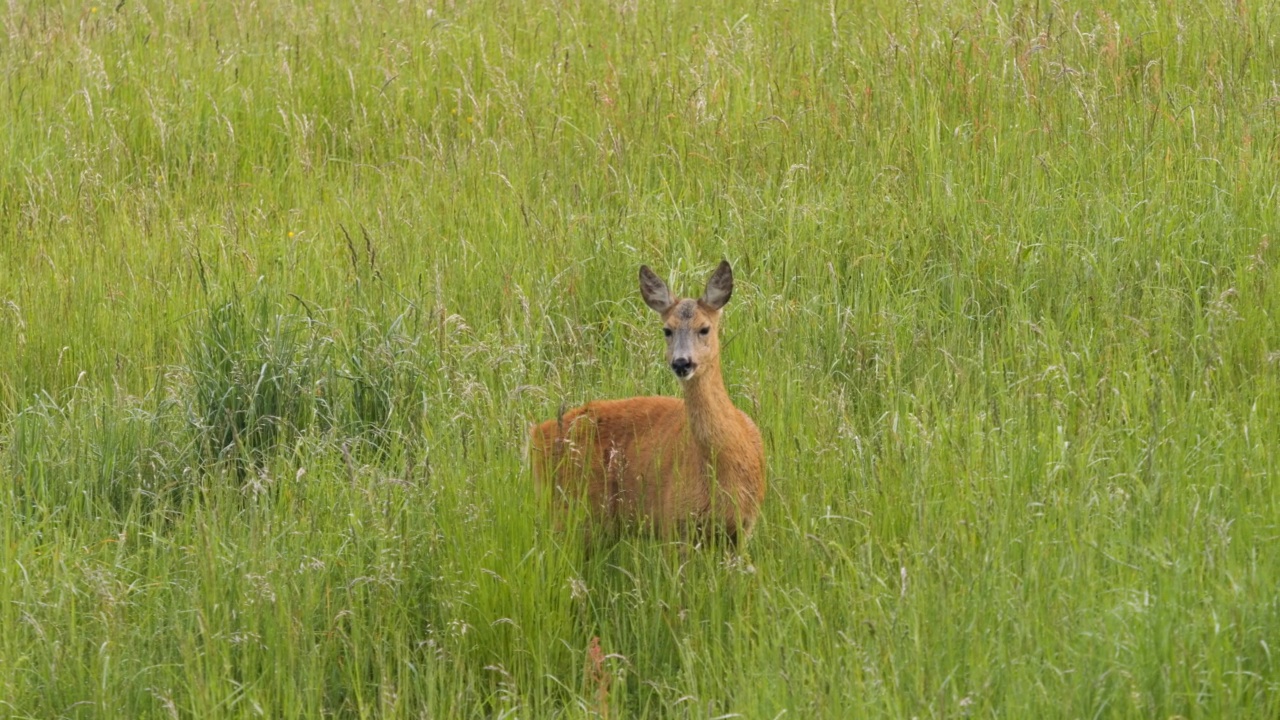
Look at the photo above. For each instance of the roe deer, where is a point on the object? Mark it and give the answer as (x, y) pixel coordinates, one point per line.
(677, 468)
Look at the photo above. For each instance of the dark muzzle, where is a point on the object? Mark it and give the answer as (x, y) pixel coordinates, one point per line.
(682, 367)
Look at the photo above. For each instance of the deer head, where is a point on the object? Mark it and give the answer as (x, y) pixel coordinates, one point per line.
(690, 326)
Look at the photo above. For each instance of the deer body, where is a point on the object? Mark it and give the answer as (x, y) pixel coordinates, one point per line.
(674, 467)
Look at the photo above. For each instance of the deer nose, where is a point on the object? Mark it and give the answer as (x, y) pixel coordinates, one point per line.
(682, 366)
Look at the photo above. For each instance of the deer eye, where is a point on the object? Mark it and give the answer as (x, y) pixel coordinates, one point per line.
(666, 331)
(704, 331)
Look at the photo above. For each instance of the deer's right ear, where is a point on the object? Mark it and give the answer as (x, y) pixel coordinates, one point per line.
(655, 292)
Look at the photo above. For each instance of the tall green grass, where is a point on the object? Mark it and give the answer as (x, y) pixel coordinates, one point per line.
(283, 286)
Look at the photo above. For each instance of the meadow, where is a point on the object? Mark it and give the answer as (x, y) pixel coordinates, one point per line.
(282, 286)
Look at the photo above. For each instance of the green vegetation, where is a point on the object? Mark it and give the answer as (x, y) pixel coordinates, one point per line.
(283, 284)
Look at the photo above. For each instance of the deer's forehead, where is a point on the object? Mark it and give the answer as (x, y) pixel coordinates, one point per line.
(687, 311)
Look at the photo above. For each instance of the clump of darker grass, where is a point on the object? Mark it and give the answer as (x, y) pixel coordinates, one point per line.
(384, 370)
(260, 375)
(253, 371)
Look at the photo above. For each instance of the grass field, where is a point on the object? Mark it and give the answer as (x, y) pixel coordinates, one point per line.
(282, 285)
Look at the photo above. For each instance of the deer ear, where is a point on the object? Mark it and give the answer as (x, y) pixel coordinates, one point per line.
(654, 291)
(719, 287)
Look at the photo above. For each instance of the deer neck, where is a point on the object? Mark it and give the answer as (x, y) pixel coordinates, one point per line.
(713, 420)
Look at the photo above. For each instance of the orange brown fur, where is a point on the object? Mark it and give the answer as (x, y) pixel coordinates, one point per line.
(680, 468)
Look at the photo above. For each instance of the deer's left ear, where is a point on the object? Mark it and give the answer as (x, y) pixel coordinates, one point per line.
(719, 287)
